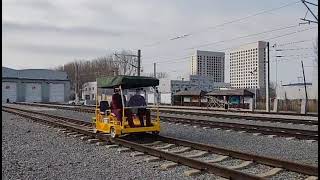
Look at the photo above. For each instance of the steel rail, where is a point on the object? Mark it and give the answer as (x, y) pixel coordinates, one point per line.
(292, 166)
(208, 109)
(211, 168)
(76, 121)
(176, 111)
(73, 108)
(247, 117)
(236, 111)
(268, 130)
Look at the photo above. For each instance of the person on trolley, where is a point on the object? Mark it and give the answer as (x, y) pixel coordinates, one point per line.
(139, 101)
(116, 107)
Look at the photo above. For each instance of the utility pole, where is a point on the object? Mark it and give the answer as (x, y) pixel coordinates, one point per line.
(155, 70)
(155, 94)
(274, 46)
(268, 80)
(255, 74)
(139, 62)
(76, 83)
(305, 88)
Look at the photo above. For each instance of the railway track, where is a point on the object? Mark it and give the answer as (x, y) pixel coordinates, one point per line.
(266, 130)
(235, 111)
(246, 117)
(240, 127)
(192, 112)
(211, 110)
(166, 148)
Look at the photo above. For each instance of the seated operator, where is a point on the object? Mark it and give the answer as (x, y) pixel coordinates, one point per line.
(138, 100)
(116, 107)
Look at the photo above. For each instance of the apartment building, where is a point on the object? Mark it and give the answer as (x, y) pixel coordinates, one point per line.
(209, 64)
(248, 67)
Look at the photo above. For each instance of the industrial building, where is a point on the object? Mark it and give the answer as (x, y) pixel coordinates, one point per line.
(248, 67)
(34, 85)
(209, 64)
(190, 98)
(196, 82)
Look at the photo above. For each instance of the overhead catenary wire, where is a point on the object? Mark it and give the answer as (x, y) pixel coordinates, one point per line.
(294, 59)
(254, 34)
(295, 49)
(222, 24)
(295, 42)
(187, 58)
(245, 36)
(292, 55)
(279, 36)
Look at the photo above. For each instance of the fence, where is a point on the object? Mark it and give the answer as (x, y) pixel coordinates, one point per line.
(289, 105)
(261, 104)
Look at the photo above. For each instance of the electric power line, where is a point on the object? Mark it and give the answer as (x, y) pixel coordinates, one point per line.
(292, 55)
(283, 35)
(295, 59)
(294, 49)
(279, 36)
(296, 42)
(246, 36)
(226, 23)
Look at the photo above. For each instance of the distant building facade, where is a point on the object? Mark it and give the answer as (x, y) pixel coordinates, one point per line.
(196, 82)
(35, 85)
(89, 90)
(248, 67)
(209, 64)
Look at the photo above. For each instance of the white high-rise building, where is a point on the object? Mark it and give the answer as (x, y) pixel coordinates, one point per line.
(248, 67)
(209, 64)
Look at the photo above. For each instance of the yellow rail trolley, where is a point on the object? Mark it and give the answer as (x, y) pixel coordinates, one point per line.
(115, 120)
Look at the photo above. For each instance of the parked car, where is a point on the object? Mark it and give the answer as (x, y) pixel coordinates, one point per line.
(73, 102)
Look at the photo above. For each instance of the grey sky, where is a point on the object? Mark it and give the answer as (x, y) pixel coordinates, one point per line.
(44, 34)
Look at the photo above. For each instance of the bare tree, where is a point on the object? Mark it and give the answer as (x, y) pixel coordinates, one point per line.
(81, 71)
(126, 62)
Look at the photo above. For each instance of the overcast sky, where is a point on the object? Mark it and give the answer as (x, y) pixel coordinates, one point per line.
(45, 34)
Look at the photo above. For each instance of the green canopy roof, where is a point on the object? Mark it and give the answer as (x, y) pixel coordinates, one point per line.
(126, 82)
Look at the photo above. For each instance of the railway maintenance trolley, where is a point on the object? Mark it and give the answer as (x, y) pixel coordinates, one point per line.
(107, 122)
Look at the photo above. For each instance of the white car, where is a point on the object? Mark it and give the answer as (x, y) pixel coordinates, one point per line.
(73, 102)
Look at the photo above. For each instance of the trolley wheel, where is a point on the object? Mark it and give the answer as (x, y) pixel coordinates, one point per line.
(113, 133)
(155, 132)
(95, 130)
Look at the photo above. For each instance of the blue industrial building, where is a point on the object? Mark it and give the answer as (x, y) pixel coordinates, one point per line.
(35, 85)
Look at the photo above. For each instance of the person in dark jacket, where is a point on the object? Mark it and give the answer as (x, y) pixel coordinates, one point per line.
(136, 101)
(116, 107)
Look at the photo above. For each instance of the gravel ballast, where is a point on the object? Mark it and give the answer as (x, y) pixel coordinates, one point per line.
(33, 151)
(277, 147)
